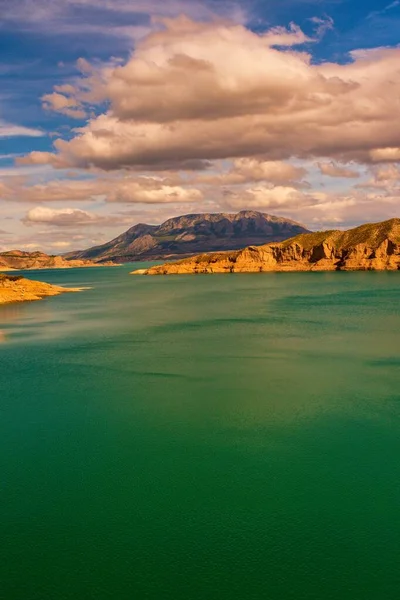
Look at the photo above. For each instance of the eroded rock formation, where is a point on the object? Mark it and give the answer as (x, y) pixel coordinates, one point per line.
(368, 247)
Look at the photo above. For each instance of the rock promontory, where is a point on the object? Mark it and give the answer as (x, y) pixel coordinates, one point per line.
(368, 247)
(19, 289)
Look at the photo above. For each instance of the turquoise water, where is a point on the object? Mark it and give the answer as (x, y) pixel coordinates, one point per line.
(225, 437)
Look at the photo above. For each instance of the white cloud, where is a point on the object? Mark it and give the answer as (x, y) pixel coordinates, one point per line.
(10, 130)
(60, 245)
(279, 197)
(387, 173)
(123, 189)
(234, 108)
(332, 169)
(63, 15)
(277, 172)
(136, 192)
(64, 104)
(250, 170)
(63, 217)
(385, 155)
(205, 91)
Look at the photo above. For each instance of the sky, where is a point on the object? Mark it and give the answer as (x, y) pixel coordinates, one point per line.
(114, 112)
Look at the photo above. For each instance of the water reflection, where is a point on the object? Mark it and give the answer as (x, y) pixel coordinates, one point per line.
(22, 319)
(10, 313)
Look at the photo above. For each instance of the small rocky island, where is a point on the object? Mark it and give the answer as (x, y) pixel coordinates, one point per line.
(18, 289)
(368, 247)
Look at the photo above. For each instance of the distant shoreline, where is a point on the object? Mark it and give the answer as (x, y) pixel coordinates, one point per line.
(19, 260)
(55, 268)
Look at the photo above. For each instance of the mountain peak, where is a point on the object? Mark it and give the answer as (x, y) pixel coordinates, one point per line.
(188, 234)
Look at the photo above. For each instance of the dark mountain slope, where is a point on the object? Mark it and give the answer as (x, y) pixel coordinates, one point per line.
(190, 234)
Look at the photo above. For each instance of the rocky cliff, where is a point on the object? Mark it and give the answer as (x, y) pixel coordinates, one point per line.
(368, 247)
(18, 289)
(190, 234)
(19, 260)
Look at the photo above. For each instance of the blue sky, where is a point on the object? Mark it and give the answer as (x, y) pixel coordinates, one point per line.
(42, 44)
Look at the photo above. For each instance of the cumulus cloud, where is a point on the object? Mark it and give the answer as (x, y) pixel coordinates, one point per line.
(387, 173)
(334, 170)
(136, 192)
(385, 178)
(349, 210)
(191, 70)
(66, 105)
(385, 154)
(63, 217)
(206, 91)
(233, 108)
(146, 190)
(247, 170)
(277, 172)
(279, 197)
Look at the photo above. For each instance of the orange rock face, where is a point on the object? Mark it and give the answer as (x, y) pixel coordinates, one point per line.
(368, 247)
(18, 289)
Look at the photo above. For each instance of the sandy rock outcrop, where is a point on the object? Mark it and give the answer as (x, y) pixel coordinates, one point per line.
(19, 289)
(368, 247)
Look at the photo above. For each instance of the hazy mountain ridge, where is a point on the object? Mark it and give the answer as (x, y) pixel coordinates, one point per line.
(368, 247)
(190, 234)
(21, 260)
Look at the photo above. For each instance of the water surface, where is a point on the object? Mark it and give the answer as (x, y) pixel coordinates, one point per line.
(234, 437)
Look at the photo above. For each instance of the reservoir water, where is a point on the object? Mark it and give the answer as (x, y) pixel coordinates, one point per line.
(227, 437)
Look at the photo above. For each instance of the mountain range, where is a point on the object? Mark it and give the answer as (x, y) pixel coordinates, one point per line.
(368, 247)
(190, 234)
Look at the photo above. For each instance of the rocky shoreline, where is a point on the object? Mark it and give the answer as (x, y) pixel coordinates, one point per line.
(368, 247)
(19, 289)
